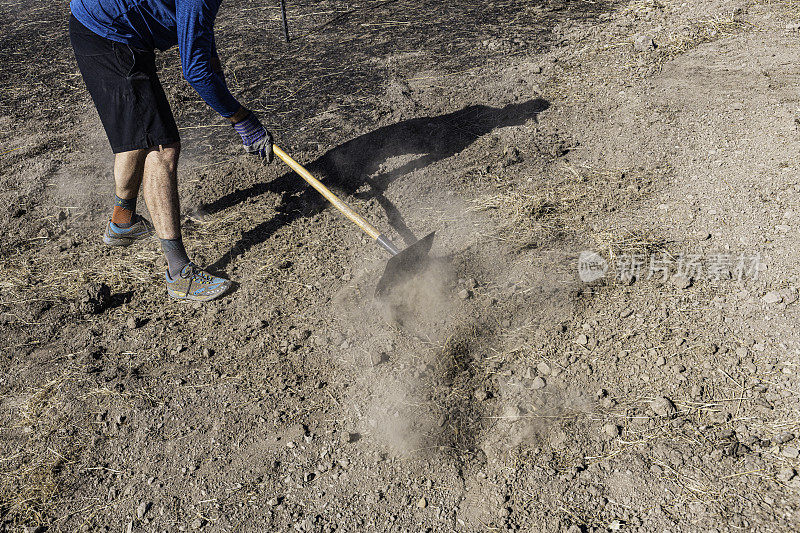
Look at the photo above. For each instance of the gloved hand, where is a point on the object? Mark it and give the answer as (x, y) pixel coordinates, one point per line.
(256, 139)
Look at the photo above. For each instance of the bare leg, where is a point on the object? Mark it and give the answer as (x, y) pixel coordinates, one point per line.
(128, 171)
(161, 189)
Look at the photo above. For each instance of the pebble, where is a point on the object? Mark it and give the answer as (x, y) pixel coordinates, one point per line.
(142, 509)
(681, 281)
(642, 43)
(543, 368)
(464, 294)
(772, 297)
(422, 503)
(786, 474)
(789, 295)
(482, 395)
(582, 339)
(132, 323)
(611, 430)
(790, 452)
(539, 383)
(348, 437)
(663, 407)
(661, 361)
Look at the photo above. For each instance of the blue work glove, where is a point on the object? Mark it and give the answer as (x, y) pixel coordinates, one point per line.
(256, 139)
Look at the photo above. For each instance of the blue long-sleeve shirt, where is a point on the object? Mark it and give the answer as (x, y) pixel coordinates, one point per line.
(151, 24)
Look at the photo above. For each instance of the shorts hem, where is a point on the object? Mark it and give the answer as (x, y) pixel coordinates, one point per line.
(144, 144)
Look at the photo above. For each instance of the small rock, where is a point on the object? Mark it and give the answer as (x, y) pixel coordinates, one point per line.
(482, 395)
(379, 359)
(543, 368)
(582, 339)
(772, 297)
(142, 509)
(611, 430)
(422, 503)
(789, 295)
(538, 383)
(273, 502)
(349, 436)
(464, 294)
(131, 323)
(786, 474)
(663, 407)
(681, 281)
(790, 452)
(661, 361)
(643, 43)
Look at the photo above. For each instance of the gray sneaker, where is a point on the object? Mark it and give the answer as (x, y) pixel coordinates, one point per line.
(194, 283)
(139, 230)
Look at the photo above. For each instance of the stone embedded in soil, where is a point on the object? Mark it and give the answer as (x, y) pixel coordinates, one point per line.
(131, 323)
(543, 368)
(142, 509)
(772, 297)
(643, 43)
(789, 295)
(790, 452)
(379, 359)
(422, 503)
(611, 430)
(538, 383)
(464, 294)
(663, 406)
(681, 281)
(482, 395)
(350, 436)
(786, 474)
(582, 339)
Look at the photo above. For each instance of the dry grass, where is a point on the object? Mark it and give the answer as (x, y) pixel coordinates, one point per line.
(560, 204)
(697, 33)
(626, 242)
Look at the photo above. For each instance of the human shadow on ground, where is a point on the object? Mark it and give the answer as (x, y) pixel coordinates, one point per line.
(416, 143)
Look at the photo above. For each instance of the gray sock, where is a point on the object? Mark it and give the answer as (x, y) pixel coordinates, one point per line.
(176, 255)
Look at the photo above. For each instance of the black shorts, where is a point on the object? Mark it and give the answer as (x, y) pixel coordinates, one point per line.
(125, 89)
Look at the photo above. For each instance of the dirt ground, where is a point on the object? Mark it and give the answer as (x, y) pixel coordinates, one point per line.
(605, 340)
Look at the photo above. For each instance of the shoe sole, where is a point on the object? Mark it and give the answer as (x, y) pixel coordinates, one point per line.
(124, 241)
(182, 296)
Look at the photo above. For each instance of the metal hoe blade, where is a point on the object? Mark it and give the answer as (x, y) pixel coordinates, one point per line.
(405, 264)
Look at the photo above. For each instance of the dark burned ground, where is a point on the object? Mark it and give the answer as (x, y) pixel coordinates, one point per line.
(495, 392)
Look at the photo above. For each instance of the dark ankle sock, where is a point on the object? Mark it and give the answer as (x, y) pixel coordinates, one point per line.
(123, 212)
(176, 255)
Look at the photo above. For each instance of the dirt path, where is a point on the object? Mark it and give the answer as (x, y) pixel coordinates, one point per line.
(501, 391)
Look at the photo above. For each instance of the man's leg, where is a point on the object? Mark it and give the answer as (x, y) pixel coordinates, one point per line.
(161, 195)
(161, 189)
(184, 279)
(128, 171)
(125, 226)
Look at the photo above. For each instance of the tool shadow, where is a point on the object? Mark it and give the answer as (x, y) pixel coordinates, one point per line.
(345, 169)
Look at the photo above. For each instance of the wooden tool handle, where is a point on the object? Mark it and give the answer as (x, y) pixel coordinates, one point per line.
(368, 228)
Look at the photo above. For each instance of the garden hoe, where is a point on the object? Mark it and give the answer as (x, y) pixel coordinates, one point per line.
(402, 265)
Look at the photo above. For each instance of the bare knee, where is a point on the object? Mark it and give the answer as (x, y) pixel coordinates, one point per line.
(164, 157)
